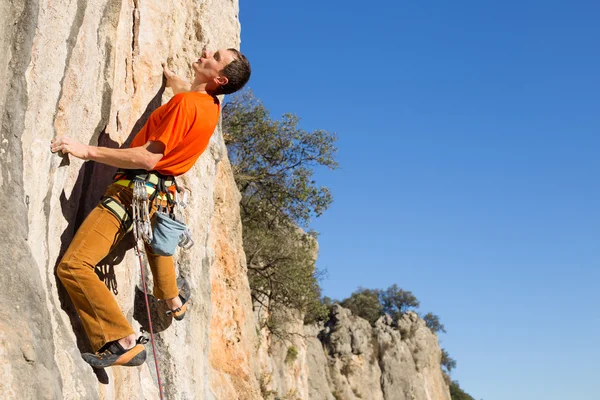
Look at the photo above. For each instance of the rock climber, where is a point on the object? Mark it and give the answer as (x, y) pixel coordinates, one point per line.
(168, 145)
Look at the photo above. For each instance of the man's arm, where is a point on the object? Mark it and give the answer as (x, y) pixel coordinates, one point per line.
(143, 157)
(176, 83)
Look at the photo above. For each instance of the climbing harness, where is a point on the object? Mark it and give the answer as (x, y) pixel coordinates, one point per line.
(168, 229)
(119, 211)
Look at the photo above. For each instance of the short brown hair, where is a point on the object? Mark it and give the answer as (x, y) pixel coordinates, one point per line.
(237, 73)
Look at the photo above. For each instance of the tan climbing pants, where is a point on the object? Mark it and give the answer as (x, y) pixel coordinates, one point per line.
(98, 234)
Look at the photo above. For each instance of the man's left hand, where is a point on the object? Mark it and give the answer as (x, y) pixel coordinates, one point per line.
(67, 145)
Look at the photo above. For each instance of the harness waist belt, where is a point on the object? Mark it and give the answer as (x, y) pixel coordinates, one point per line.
(147, 176)
(149, 188)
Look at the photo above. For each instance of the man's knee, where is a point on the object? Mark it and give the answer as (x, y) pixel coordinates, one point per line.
(67, 267)
(63, 270)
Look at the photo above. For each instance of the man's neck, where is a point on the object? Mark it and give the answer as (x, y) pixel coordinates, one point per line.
(199, 89)
(199, 86)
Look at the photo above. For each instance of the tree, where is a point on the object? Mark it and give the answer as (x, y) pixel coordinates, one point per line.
(433, 322)
(447, 362)
(281, 269)
(364, 303)
(456, 393)
(273, 164)
(319, 311)
(396, 301)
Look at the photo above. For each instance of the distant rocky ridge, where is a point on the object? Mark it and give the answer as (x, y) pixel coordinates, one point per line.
(92, 70)
(349, 359)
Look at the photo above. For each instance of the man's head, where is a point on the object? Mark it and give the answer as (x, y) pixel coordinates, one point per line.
(224, 71)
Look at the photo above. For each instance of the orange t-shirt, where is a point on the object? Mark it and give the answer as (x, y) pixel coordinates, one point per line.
(184, 125)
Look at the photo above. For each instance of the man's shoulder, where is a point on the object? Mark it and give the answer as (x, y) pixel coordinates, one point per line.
(195, 98)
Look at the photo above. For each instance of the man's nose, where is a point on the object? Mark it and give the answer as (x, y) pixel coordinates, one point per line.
(208, 53)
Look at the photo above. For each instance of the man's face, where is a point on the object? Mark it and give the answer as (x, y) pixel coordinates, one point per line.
(211, 63)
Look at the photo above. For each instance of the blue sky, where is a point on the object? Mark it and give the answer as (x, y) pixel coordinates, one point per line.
(469, 135)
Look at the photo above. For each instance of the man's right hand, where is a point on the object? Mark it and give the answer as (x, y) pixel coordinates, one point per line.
(176, 83)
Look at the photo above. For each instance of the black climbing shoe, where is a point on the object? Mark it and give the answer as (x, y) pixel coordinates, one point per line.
(114, 354)
(179, 313)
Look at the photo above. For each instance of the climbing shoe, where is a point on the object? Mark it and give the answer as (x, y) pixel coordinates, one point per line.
(179, 312)
(114, 354)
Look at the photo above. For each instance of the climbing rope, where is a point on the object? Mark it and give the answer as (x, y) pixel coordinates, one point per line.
(142, 229)
(139, 254)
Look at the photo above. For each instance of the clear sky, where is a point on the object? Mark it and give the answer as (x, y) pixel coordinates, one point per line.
(469, 141)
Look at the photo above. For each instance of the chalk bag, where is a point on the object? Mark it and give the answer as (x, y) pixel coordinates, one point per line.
(167, 233)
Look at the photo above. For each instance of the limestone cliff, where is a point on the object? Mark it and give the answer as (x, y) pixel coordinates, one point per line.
(92, 70)
(348, 359)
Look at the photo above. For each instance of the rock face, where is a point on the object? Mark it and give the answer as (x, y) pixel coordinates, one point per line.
(233, 339)
(409, 358)
(92, 71)
(284, 372)
(348, 359)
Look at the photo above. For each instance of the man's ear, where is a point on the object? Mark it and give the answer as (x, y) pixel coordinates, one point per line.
(221, 80)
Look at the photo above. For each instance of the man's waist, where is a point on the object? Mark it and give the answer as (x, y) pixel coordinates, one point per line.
(153, 178)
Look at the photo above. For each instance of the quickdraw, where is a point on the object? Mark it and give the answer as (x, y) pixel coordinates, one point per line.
(140, 206)
(186, 241)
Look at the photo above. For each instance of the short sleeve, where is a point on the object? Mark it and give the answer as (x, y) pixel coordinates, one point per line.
(173, 125)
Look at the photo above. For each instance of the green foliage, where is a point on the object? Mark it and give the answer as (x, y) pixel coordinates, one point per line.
(456, 393)
(318, 311)
(447, 362)
(273, 164)
(396, 301)
(291, 355)
(365, 304)
(281, 268)
(433, 322)
(274, 161)
(371, 304)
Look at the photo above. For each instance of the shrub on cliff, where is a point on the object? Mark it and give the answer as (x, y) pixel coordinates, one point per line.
(448, 363)
(456, 392)
(365, 304)
(433, 322)
(273, 164)
(371, 304)
(396, 301)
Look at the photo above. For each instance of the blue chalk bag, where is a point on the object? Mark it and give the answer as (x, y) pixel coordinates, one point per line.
(166, 235)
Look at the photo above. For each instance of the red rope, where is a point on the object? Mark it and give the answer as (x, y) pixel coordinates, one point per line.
(139, 253)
